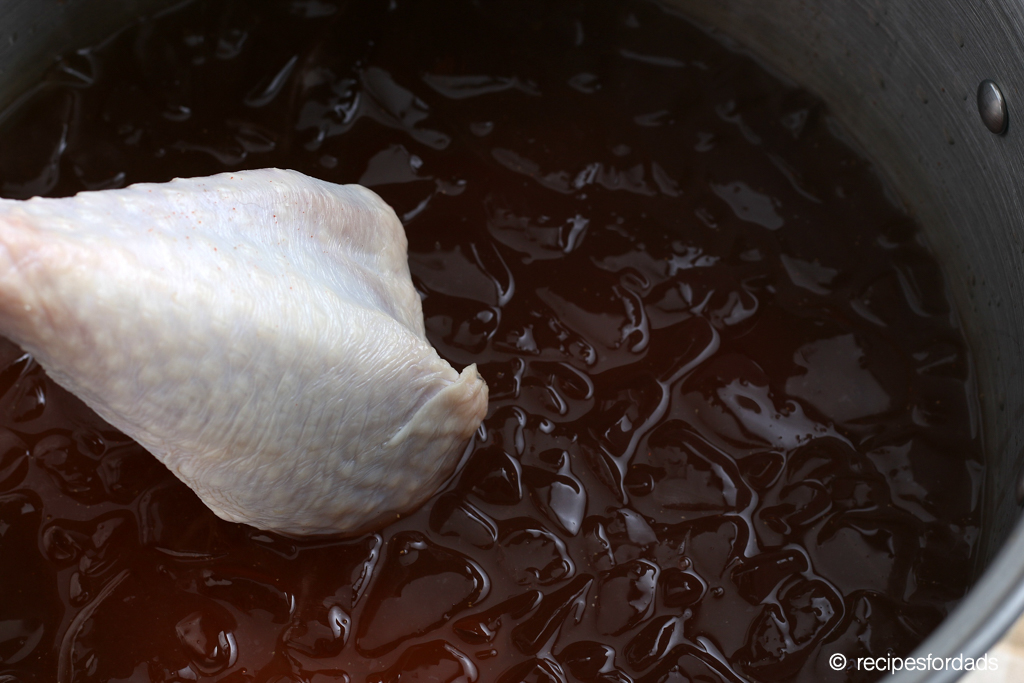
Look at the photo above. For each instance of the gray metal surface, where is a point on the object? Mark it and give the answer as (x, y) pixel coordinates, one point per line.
(992, 106)
(902, 77)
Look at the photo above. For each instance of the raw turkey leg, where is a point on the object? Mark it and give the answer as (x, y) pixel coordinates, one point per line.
(258, 332)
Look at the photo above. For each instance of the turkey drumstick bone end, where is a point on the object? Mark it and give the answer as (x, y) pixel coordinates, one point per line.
(258, 332)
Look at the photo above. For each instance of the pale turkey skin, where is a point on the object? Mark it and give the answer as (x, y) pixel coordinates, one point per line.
(258, 332)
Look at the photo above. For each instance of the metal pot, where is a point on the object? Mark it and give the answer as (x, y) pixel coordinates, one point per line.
(903, 77)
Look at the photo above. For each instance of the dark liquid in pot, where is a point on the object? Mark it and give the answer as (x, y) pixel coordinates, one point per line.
(730, 429)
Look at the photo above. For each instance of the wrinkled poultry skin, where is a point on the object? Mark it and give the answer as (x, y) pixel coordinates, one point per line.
(258, 332)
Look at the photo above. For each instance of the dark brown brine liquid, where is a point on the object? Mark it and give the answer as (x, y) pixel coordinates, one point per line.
(731, 428)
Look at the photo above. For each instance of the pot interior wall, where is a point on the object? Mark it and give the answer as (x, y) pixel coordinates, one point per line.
(901, 77)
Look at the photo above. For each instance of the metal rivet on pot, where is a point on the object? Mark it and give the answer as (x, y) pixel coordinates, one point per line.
(992, 107)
